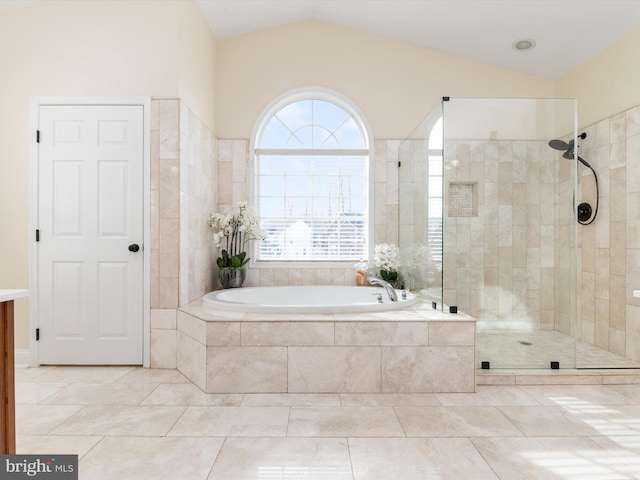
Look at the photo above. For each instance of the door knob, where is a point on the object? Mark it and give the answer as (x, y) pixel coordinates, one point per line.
(134, 247)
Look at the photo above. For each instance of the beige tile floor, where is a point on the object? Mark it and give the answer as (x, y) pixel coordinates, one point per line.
(134, 423)
(536, 349)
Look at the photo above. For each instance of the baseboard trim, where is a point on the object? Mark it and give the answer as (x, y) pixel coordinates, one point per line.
(22, 358)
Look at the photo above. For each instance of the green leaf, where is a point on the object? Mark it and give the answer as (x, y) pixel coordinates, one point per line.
(236, 262)
(223, 260)
(389, 275)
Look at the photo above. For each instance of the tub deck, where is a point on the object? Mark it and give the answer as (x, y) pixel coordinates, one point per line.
(417, 350)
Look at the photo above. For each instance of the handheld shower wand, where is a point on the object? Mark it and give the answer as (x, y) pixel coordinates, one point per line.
(584, 209)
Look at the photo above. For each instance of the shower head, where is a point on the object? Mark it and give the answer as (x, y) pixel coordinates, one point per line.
(561, 145)
(584, 212)
(569, 149)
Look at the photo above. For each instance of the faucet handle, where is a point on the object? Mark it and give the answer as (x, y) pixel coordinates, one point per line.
(404, 294)
(378, 296)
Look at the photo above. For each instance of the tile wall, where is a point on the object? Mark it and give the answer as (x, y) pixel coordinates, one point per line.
(609, 253)
(508, 262)
(183, 163)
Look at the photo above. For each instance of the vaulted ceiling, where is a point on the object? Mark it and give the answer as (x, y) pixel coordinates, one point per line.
(565, 32)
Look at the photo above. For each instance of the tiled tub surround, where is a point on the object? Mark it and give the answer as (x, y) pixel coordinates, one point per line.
(417, 350)
(194, 173)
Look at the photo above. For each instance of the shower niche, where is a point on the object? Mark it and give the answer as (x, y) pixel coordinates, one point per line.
(487, 223)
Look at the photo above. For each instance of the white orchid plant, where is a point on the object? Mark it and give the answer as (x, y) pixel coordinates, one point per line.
(386, 257)
(235, 230)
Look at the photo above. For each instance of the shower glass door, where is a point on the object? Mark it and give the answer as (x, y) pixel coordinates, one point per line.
(487, 223)
(420, 162)
(509, 256)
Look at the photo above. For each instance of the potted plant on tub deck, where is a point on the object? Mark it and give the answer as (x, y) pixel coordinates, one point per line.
(234, 230)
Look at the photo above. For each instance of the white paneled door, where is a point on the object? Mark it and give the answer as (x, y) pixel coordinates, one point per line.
(90, 229)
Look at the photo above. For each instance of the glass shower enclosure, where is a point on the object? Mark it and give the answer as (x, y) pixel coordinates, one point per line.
(487, 224)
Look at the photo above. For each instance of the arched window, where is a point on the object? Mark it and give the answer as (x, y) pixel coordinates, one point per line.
(311, 172)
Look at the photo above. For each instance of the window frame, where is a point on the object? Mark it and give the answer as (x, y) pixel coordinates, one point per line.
(312, 93)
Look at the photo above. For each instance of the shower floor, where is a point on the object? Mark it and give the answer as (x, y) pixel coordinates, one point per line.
(520, 349)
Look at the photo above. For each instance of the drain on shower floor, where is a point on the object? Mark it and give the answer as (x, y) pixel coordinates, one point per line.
(524, 343)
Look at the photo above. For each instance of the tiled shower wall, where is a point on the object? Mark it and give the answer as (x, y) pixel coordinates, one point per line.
(507, 261)
(609, 253)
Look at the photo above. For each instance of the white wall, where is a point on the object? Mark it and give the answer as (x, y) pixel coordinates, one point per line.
(96, 48)
(395, 84)
(607, 84)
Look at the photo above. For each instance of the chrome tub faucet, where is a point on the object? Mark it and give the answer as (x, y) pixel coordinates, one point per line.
(386, 285)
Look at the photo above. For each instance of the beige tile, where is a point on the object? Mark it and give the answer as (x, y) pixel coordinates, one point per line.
(192, 326)
(153, 375)
(34, 393)
(191, 359)
(428, 369)
(169, 190)
(169, 263)
(548, 421)
(189, 394)
(168, 292)
(101, 394)
(246, 369)
(163, 348)
(61, 445)
(334, 369)
(455, 422)
(287, 333)
(417, 458)
(84, 374)
(121, 420)
(343, 422)
(617, 301)
(625, 448)
(163, 458)
(545, 458)
(381, 333)
(283, 458)
(168, 127)
(292, 399)
(225, 184)
(232, 422)
(451, 333)
(42, 419)
(576, 398)
(632, 392)
(27, 374)
(388, 400)
(487, 396)
(163, 318)
(223, 334)
(633, 170)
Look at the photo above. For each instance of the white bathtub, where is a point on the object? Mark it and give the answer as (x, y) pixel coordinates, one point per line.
(305, 299)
